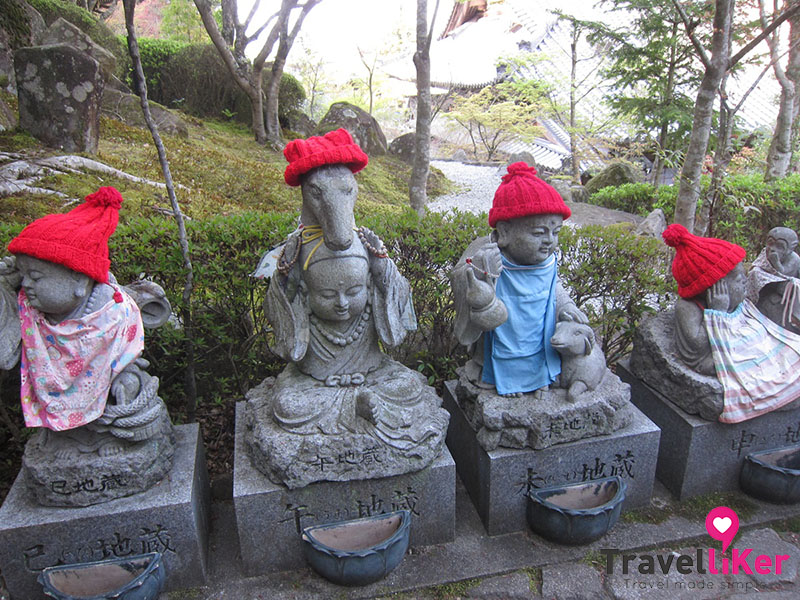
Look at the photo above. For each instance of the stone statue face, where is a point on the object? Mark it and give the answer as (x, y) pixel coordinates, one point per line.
(737, 282)
(337, 289)
(51, 288)
(329, 194)
(781, 242)
(529, 240)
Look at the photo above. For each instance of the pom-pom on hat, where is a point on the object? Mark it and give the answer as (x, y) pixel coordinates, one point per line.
(78, 239)
(521, 193)
(333, 148)
(699, 261)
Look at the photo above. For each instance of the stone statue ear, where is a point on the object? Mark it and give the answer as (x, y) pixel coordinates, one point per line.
(589, 341)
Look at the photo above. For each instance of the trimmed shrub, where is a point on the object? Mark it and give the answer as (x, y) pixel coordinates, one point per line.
(155, 55)
(637, 198)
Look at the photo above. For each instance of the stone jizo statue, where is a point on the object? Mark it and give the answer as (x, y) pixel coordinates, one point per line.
(718, 330)
(334, 298)
(78, 337)
(509, 304)
(773, 282)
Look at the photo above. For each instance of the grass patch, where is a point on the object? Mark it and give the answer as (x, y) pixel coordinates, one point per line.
(649, 514)
(697, 508)
(450, 591)
(534, 579)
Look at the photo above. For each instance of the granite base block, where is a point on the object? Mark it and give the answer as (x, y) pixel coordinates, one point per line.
(699, 456)
(270, 517)
(498, 480)
(171, 518)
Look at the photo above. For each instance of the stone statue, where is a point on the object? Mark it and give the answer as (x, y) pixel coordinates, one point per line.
(509, 302)
(79, 336)
(774, 279)
(732, 362)
(341, 409)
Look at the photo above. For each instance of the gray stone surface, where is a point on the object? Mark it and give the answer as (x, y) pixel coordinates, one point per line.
(365, 130)
(59, 89)
(126, 107)
(615, 174)
(514, 586)
(266, 511)
(403, 147)
(697, 456)
(541, 422)
(767, 542)
(572, 581)
(655, 361)
(64, 32)
(497, 480)
(171, 518)
(653, 225)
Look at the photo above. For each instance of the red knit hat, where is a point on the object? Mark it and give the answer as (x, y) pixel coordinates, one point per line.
(522, 193)
(77, 239)
(333, 148)
(699, 261)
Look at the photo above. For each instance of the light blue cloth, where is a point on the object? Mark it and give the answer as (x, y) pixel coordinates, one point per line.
(518, 356)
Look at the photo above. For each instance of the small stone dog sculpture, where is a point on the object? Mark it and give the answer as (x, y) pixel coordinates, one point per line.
(582, 362)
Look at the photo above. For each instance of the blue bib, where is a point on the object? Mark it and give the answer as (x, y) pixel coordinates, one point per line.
(517, 355)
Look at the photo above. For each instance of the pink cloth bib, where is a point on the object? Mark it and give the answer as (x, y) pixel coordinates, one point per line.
(67, 368)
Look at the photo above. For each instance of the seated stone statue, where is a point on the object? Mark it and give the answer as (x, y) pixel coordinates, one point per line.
(79, 337)
(717, 330)
(774, 279)
(335, 297)
(508, 300)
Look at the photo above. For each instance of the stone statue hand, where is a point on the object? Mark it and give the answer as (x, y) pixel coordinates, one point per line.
(572, 313)
(488, 260)
(377, 264)
(480, 293)
(718, 296)
(9, 275)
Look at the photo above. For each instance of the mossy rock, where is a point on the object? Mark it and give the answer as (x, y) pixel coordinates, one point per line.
(362, 126)
(615, 174)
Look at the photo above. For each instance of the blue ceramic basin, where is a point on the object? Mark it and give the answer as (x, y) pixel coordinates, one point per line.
(138, 577)
(360, 551)
(576, 514)
(772, 475)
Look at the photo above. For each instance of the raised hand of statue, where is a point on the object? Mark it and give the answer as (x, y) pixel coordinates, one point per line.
(480, 293)
(378, 261)
(488, 262)
(718, 296)
(9, 274)
(572, 313)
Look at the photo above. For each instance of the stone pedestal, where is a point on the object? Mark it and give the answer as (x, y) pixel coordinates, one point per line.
(171, 518)
(270, 517)
(698, 456)
(498, 480)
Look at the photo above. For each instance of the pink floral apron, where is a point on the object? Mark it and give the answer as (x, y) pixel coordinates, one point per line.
(67, 368)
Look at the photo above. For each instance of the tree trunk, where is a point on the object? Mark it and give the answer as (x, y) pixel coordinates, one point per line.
(575, 158)
(228, 21)
(689, 189)
(186, 304)
(417, 185)
(779, 155)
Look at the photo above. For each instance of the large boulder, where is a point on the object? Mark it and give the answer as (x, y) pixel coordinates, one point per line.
(64, 32)
(298, 122)
(126, 107)
(8, 117)
(403, 147)
(362, 126)
(59, 89)
(615, 174)
(22, 27)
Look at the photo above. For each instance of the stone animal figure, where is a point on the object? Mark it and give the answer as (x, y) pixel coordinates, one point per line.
(582, 362)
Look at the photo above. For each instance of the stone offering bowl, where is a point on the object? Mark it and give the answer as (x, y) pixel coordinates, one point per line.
(772, 475)
(360, 551)
(138, 577)
(578, 513)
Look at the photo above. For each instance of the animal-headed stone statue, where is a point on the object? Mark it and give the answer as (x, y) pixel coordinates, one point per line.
(334, 298)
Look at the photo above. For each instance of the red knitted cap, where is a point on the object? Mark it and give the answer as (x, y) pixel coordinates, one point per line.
(522, 193)
(333, 148)
(699, 261)
(77, 239)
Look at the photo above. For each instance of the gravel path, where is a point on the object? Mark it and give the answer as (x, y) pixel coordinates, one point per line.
(478, 185)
